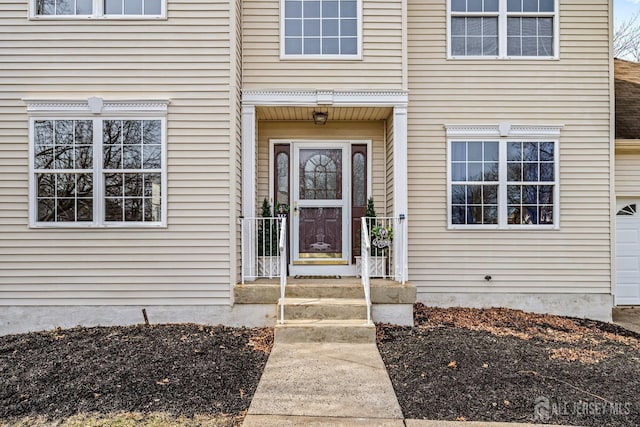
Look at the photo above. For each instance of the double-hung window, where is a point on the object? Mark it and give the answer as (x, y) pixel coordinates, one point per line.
(138, 9)
(320, 29)
(503, 29)
(98, 170)
(503, 182)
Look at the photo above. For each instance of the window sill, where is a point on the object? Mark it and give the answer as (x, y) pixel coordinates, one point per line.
(320, 58)
(531, 227)
(78, 226)
(97, 18)
(503, 58)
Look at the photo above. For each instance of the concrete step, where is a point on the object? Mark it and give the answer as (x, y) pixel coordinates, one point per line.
(324, 308)
(328, 290)
(267, 291)
(337, 331)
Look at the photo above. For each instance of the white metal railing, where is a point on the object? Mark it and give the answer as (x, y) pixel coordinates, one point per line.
(262, 254)
(387, 257)
(365, 256)
(282, 251)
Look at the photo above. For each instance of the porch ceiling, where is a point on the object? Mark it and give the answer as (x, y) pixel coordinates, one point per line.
(335, 113)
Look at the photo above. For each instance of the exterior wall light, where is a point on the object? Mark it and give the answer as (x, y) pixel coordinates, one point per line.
(320, 118)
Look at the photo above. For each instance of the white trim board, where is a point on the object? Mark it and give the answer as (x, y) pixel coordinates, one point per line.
(336, 98)
(503, 130)
(95, 106)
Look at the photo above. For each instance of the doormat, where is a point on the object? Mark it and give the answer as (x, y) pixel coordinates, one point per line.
(318, 277)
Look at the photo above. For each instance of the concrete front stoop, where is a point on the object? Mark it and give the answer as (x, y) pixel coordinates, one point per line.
(326, 300)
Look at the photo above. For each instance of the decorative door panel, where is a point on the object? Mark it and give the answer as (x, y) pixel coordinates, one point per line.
(320, 174)
(320, 233)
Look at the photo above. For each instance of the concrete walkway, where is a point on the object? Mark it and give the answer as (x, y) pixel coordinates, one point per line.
(331, 385)
(324, 384)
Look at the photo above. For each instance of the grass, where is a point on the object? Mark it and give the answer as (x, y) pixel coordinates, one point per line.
(127, 419)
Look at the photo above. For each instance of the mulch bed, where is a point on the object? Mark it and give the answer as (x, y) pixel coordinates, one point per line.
(455, 364)
(511, 366)
(181, 369)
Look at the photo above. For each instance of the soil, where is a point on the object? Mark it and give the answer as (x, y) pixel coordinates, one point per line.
(510, 366)
(181, 370)
(455, 364)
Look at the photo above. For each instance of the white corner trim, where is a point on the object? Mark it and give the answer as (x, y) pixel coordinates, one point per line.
(325, 97)
(95, 105)
(504, 130)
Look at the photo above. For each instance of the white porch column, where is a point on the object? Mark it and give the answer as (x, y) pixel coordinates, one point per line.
(249, 145)
(400, 189)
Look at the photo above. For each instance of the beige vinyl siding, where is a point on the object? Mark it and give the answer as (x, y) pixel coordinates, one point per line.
(236, 210)
(184, 59)
(628, 175)
(573, 91)
(333, 130)
(380, 68)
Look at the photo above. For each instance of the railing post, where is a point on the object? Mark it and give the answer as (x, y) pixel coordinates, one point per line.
(282, 252)
(248, 250)
(365, 254)
(400, 249)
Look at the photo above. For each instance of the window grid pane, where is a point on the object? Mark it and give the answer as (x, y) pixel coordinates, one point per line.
(321, 27)
(64, 197)
(63, 161)
(132, 7)
(474, 36)
(474, 5)
(530, 183)
(474, 189)
(132, 153)
(529, 36)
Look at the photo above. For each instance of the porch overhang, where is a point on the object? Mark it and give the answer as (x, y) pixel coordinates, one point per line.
(336, 98)
(297, 105)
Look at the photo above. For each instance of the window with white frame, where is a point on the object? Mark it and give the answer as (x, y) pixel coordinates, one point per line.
(320, 28)
(503, 28)
(98, 171)
(474, 182)
(99, 8)
(503, 183)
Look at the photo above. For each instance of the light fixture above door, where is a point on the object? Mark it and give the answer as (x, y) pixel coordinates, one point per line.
(320, 118)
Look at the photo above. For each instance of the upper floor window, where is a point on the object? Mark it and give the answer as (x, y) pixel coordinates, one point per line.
(503, 28)
(99, 8)
(94, 170)
(321, 28)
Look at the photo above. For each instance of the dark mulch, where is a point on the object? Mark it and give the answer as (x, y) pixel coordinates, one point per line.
(181, 369)
(477, 365)
(511, 366)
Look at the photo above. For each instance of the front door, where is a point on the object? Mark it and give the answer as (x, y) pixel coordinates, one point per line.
(321, 241)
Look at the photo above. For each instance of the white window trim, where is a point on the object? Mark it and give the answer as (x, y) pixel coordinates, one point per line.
(98, 110)
(503, 133)
(289, 57)
(98, 14)
(502, 32)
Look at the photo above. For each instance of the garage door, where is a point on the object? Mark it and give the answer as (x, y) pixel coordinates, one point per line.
(628, 253)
